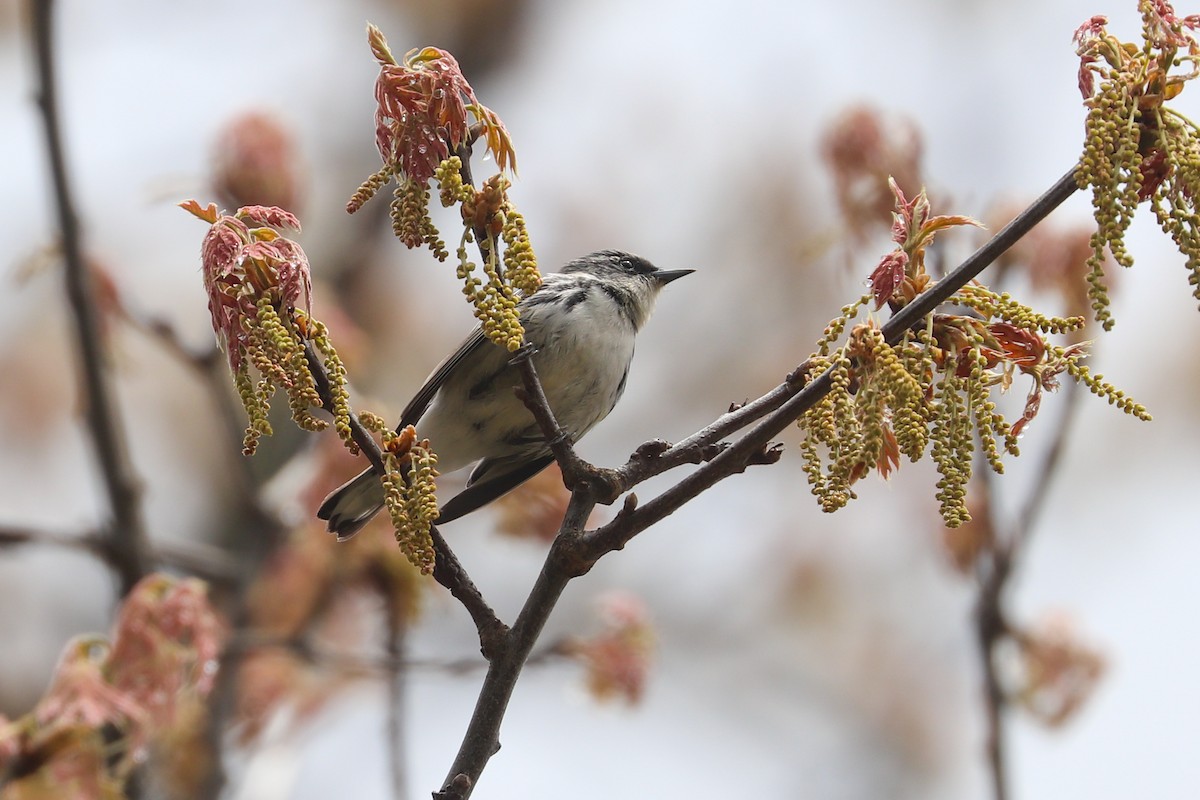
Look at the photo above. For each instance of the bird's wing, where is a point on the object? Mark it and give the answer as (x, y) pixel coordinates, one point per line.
(485, 491)
(416, 407)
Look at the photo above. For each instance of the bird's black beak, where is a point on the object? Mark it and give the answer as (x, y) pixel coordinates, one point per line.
(665, 276)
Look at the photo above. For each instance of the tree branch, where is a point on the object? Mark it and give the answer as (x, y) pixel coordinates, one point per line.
(574, 551)
(127, 538)
(193, 558)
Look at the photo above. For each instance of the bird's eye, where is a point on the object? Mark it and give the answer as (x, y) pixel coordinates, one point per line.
(636, 266)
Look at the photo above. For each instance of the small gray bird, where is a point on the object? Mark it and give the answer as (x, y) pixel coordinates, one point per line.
(582, 321)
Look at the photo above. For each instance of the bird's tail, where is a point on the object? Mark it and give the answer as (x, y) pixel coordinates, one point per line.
(351, 505)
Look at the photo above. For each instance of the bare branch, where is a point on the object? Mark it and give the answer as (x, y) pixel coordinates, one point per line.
(655, 458)
(128, 546)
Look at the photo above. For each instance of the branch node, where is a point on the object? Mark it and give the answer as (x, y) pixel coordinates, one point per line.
(458, 788)
(648, 451)
(800, 376)
(770, 454)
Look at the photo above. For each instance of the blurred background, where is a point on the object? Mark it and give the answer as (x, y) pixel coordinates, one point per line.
(822, 656)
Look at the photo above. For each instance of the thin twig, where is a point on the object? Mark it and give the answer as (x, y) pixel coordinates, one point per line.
(193, 558)
(127, 543)
(482, 738)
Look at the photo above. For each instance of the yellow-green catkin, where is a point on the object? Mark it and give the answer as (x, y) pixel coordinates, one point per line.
(1111, 168)
(910, 413)
(1101, 388)
(520, 263)
(1002, 306)
(257, 407)
(369, 188)
(411, 222)
(411, 500)
(1174, 201)
(833, 330)
(451, 189)
(318, 334)
(952, 446)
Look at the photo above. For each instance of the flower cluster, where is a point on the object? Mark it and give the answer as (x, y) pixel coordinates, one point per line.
(1136, 149)
(112, 704)
(931, 389)
(423, 122)
(489, 211)
(259, 289)
(409, 490)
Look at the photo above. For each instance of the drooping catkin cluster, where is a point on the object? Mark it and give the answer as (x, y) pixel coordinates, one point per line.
(1175, 200)
(409, 490)
(411, 222)
(259, 288)
(932, 390)
(1135, 148)
(490, 212)
(427, 114)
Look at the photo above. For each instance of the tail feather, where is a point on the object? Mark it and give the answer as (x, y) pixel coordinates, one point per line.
(352, 505)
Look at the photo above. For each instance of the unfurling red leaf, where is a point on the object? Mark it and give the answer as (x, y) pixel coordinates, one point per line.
(379, 45)
(269, 215)
(1023, 347)
(889, 454)
(209, 214)
(888, 276)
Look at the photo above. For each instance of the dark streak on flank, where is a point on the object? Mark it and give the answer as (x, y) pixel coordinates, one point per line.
(575, 298)
(484, 384)
(622, 301)
(621, 386)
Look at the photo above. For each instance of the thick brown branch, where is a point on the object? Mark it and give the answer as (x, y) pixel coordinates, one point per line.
(482, 738)
(127, 547)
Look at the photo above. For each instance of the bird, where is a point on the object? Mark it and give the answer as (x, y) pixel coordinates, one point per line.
(582, 322)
